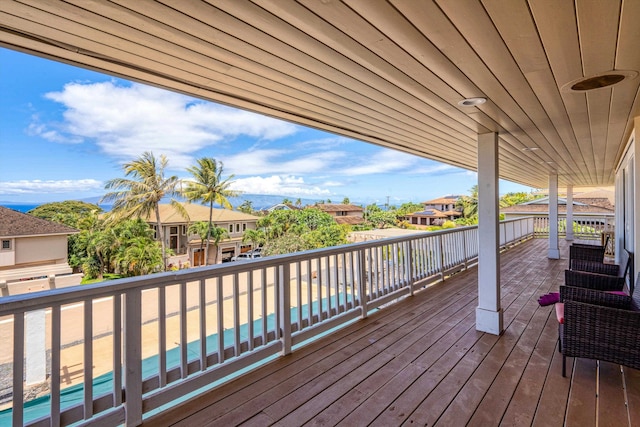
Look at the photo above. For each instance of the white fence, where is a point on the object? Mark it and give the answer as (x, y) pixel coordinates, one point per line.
(124, 349)
(588, 228)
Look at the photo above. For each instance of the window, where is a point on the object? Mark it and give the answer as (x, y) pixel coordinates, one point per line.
(230, 228)
(184, 230)
(237, 228)
(244, 227)
(6, 245)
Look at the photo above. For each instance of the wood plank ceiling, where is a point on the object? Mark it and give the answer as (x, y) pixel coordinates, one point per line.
(386, 72)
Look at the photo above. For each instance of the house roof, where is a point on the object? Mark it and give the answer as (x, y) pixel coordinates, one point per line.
(444, 200)
(394, 75)
(283, 206)
(196, 212)
(349, 219)
(432, 213)
(338, 207)
(18, 224)
(578, 208)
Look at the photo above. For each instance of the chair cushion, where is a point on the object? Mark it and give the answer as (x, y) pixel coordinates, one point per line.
(560, 312)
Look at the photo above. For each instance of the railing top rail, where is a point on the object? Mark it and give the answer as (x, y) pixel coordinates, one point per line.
(47, 298)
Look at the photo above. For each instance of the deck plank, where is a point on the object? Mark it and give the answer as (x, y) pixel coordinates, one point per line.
(522, 406)
(421, 362)
(632, 388)
(581, 411)
(611, 399)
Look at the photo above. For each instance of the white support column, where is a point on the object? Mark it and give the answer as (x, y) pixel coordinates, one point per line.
(488, 313)
(554, 251)
(569, 227)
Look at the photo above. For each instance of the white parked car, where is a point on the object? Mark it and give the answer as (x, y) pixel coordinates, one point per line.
(247, 255)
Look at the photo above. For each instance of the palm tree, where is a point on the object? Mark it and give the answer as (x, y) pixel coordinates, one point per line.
(140, 192)
(469, 204)
(255, 237)
(208, 186)
(202, 229)
(216, 234)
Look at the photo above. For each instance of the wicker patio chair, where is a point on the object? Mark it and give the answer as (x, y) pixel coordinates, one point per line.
(586, 252)
(594, 267)
(602, 282)
(599, 325)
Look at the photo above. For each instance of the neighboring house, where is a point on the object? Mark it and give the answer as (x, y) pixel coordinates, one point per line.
(436, 211)
(588, 206)
(593, 210)
(283, 207)
(33, 254)
(343, 214)
(443, 204)
(189, 248)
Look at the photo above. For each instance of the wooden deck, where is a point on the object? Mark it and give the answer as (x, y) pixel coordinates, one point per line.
(421, 362)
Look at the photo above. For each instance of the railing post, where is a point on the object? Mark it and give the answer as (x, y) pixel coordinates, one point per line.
(464, 248)
(284, 283)
(133, 356)
(362, 282)
(440, 241)
(409, 265)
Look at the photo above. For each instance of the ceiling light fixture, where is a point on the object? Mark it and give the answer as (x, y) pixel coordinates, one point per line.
(599, 81)
(530, 149)
(472, 102)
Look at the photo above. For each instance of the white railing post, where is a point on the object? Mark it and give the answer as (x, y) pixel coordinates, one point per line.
(409, 265)
(362, 282)
(133, 356)
(441, 248)
(284, 283)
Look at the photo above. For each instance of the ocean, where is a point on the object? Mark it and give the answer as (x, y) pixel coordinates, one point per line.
(20, 207)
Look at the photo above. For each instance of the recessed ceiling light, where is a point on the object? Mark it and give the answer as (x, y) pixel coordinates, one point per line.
(599, 81)
(472, 102)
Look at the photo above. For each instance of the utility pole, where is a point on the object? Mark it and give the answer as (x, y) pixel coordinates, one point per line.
(387, 204)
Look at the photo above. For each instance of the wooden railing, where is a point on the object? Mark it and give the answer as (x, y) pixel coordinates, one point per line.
(125, 348)
(587, 228)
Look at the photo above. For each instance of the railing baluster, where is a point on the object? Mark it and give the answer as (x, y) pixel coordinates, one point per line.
(236, 314)
(18, 368)
(284, 306)
(250, 306)
(117, 350)
(202, 297)
(133, 356)
(309, 293)
(319, 288)
(55, 365)
(299, 294)
(184, 358)
(88, 359)
(265, 314)
(162, 335)
(220, 307)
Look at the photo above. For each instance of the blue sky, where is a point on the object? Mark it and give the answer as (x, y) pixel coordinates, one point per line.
(65, 131)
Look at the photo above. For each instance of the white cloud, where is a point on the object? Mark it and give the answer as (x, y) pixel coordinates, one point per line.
(125, 121)
(269, 162)
(383, 162)
(287, 185)
(49, 186)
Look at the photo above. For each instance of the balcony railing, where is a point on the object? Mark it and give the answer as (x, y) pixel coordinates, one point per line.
(125, 348)
(587, 228)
